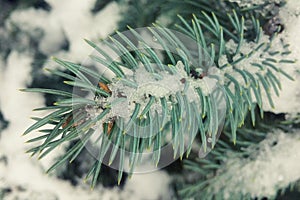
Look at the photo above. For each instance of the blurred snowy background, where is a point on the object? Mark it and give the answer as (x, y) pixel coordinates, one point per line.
(31, 31)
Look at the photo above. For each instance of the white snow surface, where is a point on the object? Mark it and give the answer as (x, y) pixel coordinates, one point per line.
(274, 166)
(71, 20)
(289, 99)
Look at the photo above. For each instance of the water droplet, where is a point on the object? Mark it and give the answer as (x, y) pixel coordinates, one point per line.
(154, 39)
(209, 140)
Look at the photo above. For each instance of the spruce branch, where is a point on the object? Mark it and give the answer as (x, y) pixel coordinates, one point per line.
(246, 71)
(225, 169)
